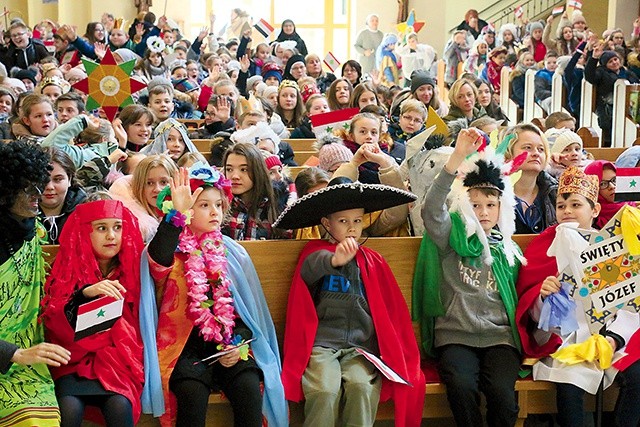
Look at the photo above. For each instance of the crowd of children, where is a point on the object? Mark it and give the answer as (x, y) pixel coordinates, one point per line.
(148, 222)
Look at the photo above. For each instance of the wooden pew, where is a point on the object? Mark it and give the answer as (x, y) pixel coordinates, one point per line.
(299, 156)
(301, 144)
(534, 397)
(610, 154)
(202, 144)
(192, 124)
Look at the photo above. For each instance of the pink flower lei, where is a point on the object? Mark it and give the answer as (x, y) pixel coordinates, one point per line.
(206, 268)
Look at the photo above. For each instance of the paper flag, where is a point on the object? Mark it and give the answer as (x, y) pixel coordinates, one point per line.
(389, 373)
(70, 57)
(108, 84)
(410, 25)
(327, 123)
(264, 28)
(97, 316)
(557, 10)
(518, 11)
(627, 184)
(434, 120)
(576, 4)
(331, 62)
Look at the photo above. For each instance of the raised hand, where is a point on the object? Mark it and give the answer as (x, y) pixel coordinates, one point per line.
(100, 49)
(181, 195)
(223, 109)
(121, 134)
(117, 156)
(467, 143)
(375, 77)
(107, 288)
(50, 354)
(373, 153)
(598, 50)
(139, 29)
(245, 63)
(345, 251)
(204, 32)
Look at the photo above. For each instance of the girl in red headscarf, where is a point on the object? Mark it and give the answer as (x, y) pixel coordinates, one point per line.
(606, 173)
(99, 256)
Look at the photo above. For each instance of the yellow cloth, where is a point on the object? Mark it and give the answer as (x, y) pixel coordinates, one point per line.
(596, 347)
(630, 226)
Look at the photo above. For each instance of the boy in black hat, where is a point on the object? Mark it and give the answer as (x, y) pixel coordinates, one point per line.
(344, 299)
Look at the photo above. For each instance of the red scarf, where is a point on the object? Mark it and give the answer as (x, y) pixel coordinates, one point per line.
(608, 209)
(392, 322)
(539, 266)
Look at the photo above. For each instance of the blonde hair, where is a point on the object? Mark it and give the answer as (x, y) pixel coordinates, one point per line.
(139, 179)
(456, 87)
(95, 136)
(413, 105)
(517, 130)
(32, 100)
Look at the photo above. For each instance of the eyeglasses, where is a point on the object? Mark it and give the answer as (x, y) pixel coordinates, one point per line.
(18, 35)
(606, 183)
(415, 120)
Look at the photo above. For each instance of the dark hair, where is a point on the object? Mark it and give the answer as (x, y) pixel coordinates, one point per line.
(331, 94)
(150, 17)
(355, 65)
(220, 143)
(66, 163)
(72, 96)
(22, 164)
(565, 196)
(487, 191)
(358, 91)
(91, 28)
(258, 175)
(132, 113)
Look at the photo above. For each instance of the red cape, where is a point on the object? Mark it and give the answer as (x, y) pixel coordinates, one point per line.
(392, 322)
(539, 266)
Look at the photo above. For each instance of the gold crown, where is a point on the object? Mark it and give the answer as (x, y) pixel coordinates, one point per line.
(120, 24)
(288, 83)
(575, 181)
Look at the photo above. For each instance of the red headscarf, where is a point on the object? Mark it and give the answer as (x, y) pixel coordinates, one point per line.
(608, 209)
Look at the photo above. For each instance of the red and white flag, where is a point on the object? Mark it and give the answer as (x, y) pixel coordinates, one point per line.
(331, 62)
(264, 28)
(576, 4)
(557, 10)
(627, 184)
(327, 123)
(518, 11)
(97, 316)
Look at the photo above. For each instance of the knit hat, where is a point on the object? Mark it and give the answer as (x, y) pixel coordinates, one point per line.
(420, 78)
(178, 63)
(607, 55)
(26, 74)
(272, 161)
(536, 25)
(126, 54)
(233, 65)
(252, 81)
(268, 91)
(577, 16)
(271, 69)
(574, 181)
(333, 154)
(158, 81)
(185, 85)
(565, 139)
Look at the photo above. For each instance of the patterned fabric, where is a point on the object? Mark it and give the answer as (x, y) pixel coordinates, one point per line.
(26, 392)
(243, 227)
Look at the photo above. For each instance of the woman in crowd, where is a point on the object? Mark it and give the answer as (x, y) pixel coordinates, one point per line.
(288, 32)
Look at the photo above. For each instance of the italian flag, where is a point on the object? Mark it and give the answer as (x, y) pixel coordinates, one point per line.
(97, 316)
(327, 123)
(627, 184)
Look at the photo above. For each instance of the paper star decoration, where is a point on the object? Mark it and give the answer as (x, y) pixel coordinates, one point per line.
(108, 84)
(411, 24)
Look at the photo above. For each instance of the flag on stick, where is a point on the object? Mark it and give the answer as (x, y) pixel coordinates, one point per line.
(264, 28)
(557, 10)
(627, 184)
(576, 4)
(97, 316)
(326, 123)
(331, 62)
(518, 11)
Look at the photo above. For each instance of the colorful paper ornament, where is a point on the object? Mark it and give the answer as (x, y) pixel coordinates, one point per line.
(108, 84)
(410, 25)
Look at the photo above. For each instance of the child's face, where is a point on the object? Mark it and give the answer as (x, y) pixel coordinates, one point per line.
(118, 37)
(41, 120)
(175, 144)
(572, 155)
(192, 71)
(486, 207)
(168, 38)
(139, 132)
(609, 192)
(411, 121)
(6, 102)
(567, 33)
(263, 52)
(267, 144)
(288, 98)
(273, 99)
(179, 73)
(367, 98)
(342, 93)
(157, 179)
(181, 54)
(528, 60)
(106, 238)
(365, 131)
(236, 170)
(551, 63)
(576, 208)
(507, 36)
(155, 59)
(286, 55)
(319, 106)
(162, 105)
(272, 81)
(208, 211)
(482, 49)
(536, 34)
(56, 190)
(215, 65)
(67, 110)
(344, 224)
(500, 59)
(53, 92)
(228, 91)
(424, 94)
(531, 143)
(484, 95)
(275, 173)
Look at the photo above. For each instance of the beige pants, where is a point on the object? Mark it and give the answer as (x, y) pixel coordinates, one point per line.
(329, 373)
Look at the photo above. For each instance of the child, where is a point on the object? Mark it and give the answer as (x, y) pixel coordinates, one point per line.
(477, 59)
(535, 44)
(411, 121)
(365, 128)
(37, 119)
(606, 173)
(172, 139)
(494, 66)
(517, 77)
(543, 81)
(566, 152)
(161, 102)
(191, 263)
(290, 106)
(387, 62)
(344, 297)
(455, 51)
(137, 122)
(466, 302)
(576, 203)
(100, 249)
(316, 104)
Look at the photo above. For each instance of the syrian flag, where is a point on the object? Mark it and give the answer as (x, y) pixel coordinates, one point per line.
(557, 10)
(331, 62)
(327, 123)
(264, 28)
(576, 4)
(627, 184)
(518, 11)
(97, 316)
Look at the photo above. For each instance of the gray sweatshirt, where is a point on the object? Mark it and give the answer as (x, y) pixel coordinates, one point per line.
(474, 312)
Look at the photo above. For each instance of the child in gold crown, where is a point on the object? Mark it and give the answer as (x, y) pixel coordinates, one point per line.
(576, 207)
